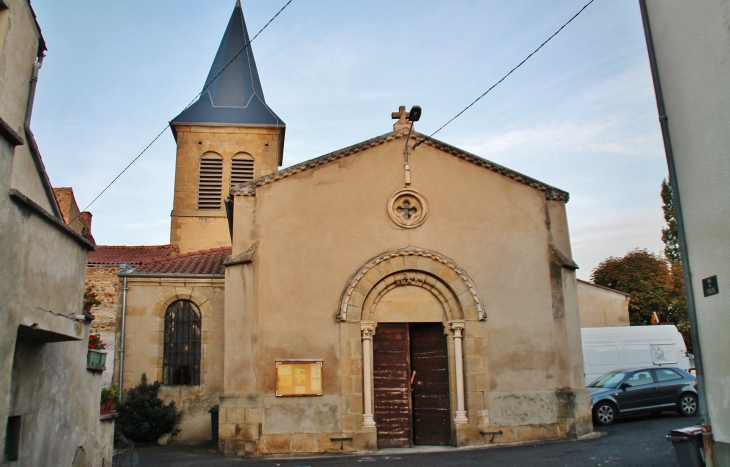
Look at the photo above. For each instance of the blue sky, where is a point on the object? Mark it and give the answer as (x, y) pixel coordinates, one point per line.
(579, 115)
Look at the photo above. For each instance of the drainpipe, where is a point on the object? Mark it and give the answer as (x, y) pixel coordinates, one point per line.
(32, 146)
(121, 337)
(687, 275)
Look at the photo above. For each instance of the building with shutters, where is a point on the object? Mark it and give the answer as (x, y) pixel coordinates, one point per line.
(343, 304)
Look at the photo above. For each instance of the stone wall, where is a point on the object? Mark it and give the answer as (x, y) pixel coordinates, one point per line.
(602, 307)
(107, 287)
(147, 302)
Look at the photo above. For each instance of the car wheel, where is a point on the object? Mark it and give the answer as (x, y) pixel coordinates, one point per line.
(604, 413)
(688, 405)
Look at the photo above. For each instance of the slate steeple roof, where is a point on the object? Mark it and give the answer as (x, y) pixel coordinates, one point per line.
(234, 97)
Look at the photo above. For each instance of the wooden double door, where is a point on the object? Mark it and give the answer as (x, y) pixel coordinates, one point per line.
(411, 385)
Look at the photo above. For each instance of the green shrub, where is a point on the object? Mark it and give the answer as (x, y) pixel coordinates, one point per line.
(143, 416)
(110, 394)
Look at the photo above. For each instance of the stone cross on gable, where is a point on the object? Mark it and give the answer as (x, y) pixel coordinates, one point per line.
(402, 117)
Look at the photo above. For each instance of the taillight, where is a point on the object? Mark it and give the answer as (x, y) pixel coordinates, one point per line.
(694, 383)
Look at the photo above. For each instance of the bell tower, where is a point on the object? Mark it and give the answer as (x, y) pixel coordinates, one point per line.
(228, 136)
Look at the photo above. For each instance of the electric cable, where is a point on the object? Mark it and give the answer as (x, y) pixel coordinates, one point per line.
(186, 107)
(505, 76)
(264, 27)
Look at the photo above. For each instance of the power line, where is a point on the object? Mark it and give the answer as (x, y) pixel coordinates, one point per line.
(191, 103)
(510, 72)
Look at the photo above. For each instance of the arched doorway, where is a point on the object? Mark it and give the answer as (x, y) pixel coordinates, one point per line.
(411, 304)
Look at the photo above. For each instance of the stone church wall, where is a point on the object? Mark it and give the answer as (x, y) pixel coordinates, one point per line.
(147, 302)
(312, 231)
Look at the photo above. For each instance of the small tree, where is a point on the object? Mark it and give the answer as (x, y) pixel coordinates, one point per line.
(677, 300)
(643, 275)
(669, 233)
(143, 416)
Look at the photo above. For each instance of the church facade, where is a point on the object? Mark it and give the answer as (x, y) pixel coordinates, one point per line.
(351, 302)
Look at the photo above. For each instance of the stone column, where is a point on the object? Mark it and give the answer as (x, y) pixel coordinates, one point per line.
(458, 328)
(368, 330)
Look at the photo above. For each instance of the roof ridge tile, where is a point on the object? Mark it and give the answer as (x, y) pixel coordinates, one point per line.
(249, 188)
(184, 255)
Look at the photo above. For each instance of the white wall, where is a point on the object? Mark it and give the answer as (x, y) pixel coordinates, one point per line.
(692, 46)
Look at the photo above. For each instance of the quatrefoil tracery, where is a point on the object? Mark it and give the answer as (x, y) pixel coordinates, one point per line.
(407, 208)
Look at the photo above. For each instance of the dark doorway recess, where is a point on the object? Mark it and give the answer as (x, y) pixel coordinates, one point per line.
(411, 381)
(12, 439)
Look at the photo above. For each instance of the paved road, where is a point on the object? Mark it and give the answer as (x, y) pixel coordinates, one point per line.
(637, 442)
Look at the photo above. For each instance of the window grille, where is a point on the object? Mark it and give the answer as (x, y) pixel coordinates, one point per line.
(241, 169)
(210, 184)
(181, 353)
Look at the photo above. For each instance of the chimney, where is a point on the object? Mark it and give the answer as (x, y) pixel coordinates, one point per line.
(86, 229)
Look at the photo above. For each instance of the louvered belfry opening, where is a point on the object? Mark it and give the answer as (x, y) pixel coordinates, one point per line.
(241, 169)
(210, 183)
(181, 353)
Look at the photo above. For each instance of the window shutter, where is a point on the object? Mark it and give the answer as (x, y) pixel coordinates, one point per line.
(241, 169)
(210, 183)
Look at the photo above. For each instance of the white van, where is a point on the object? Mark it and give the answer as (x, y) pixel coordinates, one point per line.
(626, 347)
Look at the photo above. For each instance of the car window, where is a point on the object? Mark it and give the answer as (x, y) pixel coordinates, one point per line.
(640, 378)
(665, 374)
(609, 380)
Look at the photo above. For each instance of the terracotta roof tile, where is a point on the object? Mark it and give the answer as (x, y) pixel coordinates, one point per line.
(205, 262)
(116, 254)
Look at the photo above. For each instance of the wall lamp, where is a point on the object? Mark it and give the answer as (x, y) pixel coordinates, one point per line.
(413, 116)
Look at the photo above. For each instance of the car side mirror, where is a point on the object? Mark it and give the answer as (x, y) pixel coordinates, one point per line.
(625, 385)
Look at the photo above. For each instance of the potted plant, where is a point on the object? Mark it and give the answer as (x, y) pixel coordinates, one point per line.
(91, 299)
(109, 399)
(96, 357)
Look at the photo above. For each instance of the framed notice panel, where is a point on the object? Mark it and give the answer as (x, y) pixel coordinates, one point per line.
(299, 378)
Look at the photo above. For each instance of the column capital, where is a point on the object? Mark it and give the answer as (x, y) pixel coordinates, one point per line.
(368, 329)
(457, 327)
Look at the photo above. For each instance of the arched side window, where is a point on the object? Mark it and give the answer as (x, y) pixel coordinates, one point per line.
(241, 168)
(181, 351)
(210, 182)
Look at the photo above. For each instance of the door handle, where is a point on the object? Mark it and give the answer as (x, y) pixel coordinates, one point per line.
(655, 389)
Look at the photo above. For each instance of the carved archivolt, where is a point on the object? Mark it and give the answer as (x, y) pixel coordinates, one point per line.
(450, 284)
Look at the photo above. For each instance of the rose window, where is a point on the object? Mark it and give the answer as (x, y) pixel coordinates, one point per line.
(407, 208)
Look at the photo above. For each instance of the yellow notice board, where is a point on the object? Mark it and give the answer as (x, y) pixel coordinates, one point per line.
(299, 378)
